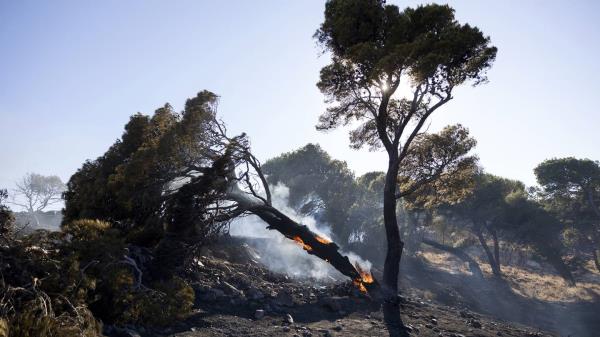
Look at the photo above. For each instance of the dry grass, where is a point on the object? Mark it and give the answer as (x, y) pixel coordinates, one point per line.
(446, 262)
(535, 284)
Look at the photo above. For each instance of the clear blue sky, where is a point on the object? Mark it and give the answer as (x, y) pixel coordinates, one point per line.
(72, 72)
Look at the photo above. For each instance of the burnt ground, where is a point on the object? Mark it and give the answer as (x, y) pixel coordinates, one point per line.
(495, 298)
(236, 296)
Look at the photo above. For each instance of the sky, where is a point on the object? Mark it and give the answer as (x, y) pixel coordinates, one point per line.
(72, 72)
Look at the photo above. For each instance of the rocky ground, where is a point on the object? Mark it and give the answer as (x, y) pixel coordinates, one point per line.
(237, 296)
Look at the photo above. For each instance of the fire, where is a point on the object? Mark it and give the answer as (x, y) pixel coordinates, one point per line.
(301, 242)
(359, 284)
(365, 278)
(322, 239)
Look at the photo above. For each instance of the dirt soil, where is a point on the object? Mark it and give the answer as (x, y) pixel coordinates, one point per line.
(237, 296)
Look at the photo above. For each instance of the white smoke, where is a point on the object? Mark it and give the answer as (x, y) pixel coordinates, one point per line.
(282, 255)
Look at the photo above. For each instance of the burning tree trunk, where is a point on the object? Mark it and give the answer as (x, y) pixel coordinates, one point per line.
(231, 184)
(315, 245)
(311, 242)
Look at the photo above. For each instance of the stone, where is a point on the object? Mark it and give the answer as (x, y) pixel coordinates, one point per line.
(333, 303)
(474, 323)
(289, 319)
(284, 299)
(255, 294)
(286, 329)
(259, 313)
(337, 328)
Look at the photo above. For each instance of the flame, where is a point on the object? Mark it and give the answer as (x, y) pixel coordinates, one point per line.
(365, 277)
(301, 242)
(359, 284)
(322, 240)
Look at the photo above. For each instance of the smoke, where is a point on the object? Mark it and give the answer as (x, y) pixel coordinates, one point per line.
(282, 255)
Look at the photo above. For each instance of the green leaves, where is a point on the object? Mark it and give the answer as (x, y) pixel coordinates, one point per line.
(438, 168)
(375, 47)
(568, 176)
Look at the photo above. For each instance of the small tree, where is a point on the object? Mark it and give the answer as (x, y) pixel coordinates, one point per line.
(36, 192)
(375, 47)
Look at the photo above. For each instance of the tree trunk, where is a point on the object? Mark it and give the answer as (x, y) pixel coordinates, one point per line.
(490, 256)
(496, 248)
(314, 245)
(473, 265)
(590, 195)
(391, 267)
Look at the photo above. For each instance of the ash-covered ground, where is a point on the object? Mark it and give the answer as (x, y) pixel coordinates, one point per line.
(237, 296)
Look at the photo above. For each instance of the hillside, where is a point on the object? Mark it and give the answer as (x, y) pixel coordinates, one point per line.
(237, 296)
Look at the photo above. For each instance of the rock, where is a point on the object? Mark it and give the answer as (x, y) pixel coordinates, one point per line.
(119, 332)
(429, 326)
(259, 313)
(286, 329)
(333, 303)
(307, 334)
(434, 321)
(474, 323)
(289, 319)
(284, 299)
(255, 294)
(212, 294)
(338, 328)
(324, 332)
(130, 333)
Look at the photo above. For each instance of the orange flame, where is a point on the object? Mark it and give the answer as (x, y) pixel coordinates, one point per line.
(301, 242)
(322, 239)
(359, 284)
(365, 277)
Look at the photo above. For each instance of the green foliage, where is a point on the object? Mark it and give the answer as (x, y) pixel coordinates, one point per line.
(486, 203)
(318, 185)
(438, 168)
(60, 283)
(129, 184)
(7, 218)
(374, 45)
(171, 300)
(571, 192)
(568, 177)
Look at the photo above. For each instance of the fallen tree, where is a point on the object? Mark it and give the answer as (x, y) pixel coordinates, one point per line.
(174, 182)
(237, 177)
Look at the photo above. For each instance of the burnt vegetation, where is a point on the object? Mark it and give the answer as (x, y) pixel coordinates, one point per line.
(145, 240)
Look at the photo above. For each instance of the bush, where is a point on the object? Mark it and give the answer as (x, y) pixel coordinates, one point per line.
(60, 283)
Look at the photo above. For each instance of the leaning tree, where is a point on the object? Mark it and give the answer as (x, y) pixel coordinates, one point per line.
(376, 49)
(175, 180)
